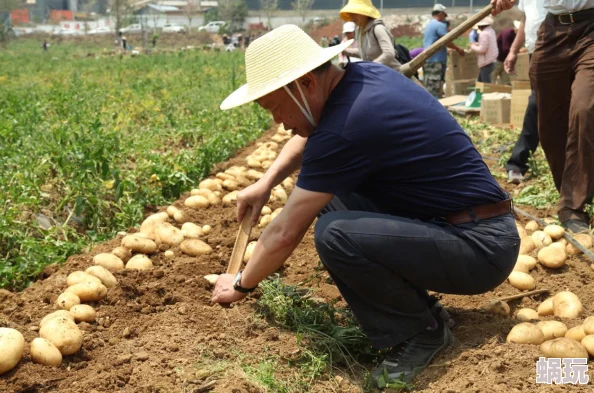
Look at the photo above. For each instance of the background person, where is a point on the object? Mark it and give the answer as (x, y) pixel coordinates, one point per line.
(505, 39)
(486, 48)
(435, 67)
(348, 32)
(373, 39)
(517, 165)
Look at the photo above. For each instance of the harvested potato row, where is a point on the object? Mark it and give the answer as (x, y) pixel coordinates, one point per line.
(63, 333)
(213, 199)
(89, 291)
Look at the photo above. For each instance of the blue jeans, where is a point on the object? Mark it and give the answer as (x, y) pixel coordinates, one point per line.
(383, 265)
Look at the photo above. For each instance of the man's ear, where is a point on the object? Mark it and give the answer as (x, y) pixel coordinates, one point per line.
(309, 82)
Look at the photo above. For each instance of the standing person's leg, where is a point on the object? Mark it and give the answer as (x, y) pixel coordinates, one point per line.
(577, 187)
(497, 73)
(527, 143)
(485, 73)
(384, 264)
(551, 80)
(432, 78)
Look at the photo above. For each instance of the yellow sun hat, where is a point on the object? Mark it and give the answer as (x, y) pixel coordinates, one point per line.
(278, 58)
(361, 7)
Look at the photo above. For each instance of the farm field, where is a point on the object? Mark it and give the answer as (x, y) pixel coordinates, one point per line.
(155, 330)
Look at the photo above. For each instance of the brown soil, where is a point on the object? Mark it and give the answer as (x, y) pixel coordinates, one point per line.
(156, 331)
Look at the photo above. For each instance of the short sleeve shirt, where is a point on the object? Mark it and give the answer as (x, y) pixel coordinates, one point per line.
(535, 14)
(434, 31)
(387, 139)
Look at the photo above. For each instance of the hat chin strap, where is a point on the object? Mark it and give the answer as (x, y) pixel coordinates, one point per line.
(306, 111)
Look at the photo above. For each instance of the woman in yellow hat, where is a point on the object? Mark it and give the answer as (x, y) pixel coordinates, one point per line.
(373, 38)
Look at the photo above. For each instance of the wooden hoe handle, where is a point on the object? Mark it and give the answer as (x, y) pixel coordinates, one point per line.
(412, 66)
(243, 236)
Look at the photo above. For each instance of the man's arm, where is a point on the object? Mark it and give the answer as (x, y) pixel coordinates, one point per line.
(482, 45)
(276, 243)
(510, 61)
(256, 195)
(501, 5)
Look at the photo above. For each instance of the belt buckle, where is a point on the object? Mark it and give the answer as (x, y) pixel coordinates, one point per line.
(571, 21)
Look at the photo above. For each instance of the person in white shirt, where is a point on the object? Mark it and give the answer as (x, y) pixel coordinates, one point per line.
(562, 75)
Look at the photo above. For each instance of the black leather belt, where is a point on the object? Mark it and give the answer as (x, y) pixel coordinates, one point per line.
(575, 17)
(482, 212)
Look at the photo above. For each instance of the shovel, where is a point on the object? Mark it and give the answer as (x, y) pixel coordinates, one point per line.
(412, 66)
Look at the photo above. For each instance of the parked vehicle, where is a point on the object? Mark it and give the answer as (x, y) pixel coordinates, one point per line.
(212, 27)
(173, 28)
(67, 32)
(134, 28)
(101, 30)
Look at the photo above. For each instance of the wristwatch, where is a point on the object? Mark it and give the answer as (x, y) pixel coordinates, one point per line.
(237, 285)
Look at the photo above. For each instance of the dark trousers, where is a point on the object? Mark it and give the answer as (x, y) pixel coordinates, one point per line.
(383, 265)
(485, 73)
(527, 141)
(562, 74)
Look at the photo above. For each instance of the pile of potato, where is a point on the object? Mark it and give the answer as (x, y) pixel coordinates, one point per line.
(553, 336)
(550, 248)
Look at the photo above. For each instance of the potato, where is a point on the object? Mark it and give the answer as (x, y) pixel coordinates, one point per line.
(527, 260)
(224, 176)
(588, 325)
(552, 256)
(211, 278)
(195, 247)
(78, 276)
(63, 333)
(123, 253)
(56, 314)
(558, 245)
(242, 181)
(563, 348)
(576, 333)
(168, 234)
(265, 210)
(266, 164)
(12, 345)
(525, 333)
(521, 267)
(253, 174)
(209, 184)
(206, 229)
(561, 241)
(169, 254)
(191, 230)
(140, 262)
(102, 274)
(66, 300)
(110, 261)
(527, 245)
(289, 184)
(498, 308)
(249, 250)
(253, 163)
(526, 314)
(521, 231)
(532, 226)
(89, 291)
(212, 198)
(546, 308)
(230, 185)
(171, 210)
(588, 343)
(275, 213)
(554, 231)
(45, 353)
(180, 217)
(280, 194)
(552, 329)
(148, 225)
(138, 244)
(265, 220)
(230, 198)
(567, 305)
(83, 313)
(521, 281)
(541, 239)
(582, 238)
(196, 201)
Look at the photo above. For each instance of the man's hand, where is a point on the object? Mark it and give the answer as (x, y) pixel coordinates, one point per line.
(501, 5)
(224, 291)
(460, 51)
(509, 65)
(256, 196)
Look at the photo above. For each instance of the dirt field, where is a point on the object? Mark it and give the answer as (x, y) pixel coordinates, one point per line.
(156, 331)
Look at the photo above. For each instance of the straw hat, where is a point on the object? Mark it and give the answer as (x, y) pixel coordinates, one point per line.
(486, 21)
(440, 8)
(278, 58)
(361, 7)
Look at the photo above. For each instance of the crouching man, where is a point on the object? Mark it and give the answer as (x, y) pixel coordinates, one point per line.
(404, 200)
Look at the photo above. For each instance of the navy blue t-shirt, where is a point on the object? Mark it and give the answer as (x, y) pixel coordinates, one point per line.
(382, 136)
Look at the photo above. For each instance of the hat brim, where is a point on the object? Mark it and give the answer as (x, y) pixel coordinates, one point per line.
(243, 95)
(359, 9)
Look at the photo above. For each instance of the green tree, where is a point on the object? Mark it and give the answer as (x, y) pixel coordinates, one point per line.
(269, 7)
(5, 7)
(302, 7)
(234, 12)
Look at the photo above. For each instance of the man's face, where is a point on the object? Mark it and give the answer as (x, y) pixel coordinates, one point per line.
(442, 16)
(286, 112)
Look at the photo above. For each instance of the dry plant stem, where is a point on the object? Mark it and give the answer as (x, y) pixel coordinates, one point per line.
(243, 236)
(567, 236)
(521, 295)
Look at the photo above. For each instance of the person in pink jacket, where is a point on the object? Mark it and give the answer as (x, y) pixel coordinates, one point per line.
(486, 47)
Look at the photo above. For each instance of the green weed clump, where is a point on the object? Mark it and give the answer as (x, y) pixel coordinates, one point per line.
(87, 144)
